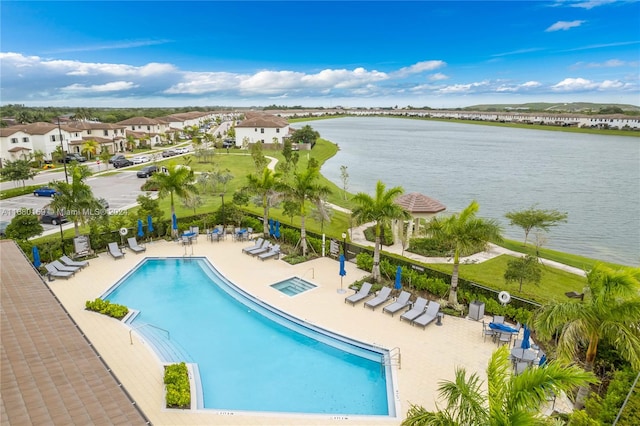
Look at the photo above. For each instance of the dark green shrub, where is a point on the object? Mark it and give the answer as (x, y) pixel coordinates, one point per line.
(107, 308)
(15, 192)
(364, 261)
(605, 409)
(430, 247)
(386, 236)
(289, 236)
(176, 380)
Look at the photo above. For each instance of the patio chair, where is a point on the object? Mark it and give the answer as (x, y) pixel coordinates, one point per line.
(498, 319)
(70, 262)
(433, 308)
(401, 302)
(362, 294)
(418, 308)
(505, 337)
(257, 245)
(383, 296)
(53, 272)
(115, 251)
(275, 251)
(520, 367)
(63, 268)
(266, 246)
(134, 246)
(486, 331)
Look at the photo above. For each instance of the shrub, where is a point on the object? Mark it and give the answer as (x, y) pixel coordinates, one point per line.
(107, 308)
(429, 247)
(176, 380)
(386, 237)
(364, 261)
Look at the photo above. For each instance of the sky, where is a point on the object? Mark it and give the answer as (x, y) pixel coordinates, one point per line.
(438, 54)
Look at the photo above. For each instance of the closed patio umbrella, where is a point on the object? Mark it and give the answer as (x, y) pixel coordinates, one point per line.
(140, 231)
(398, 284)
(271, 227)
(36, 256)
(276, 231)
(342, 272)
(174, 222)
(525, 338)
(149, 224)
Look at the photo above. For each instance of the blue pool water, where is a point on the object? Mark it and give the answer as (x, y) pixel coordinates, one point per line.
(293, 286)
(251, 357)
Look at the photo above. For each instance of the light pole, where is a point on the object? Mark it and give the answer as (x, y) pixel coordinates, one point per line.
(344, 244)
(64, 159)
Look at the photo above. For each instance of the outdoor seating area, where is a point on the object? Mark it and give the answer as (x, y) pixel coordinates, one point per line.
(134, 246)
(114, 251)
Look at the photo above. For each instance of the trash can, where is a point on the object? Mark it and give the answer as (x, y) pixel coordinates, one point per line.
(476, 310)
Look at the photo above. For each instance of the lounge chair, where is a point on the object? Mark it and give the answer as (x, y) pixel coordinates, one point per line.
(418, 308)
(53, 272)
(63, 268)
(362, 294)
(430, 314)
(115, 251)
(401, 302)
(134, 246)
(70, 262)
(266, 246)
(257, 245)
(275, 251)
(383, 296)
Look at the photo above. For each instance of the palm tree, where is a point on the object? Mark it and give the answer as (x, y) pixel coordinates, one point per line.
(610, 311)
(90, 147)
(75, 200)
(380, 209)
(464, 231)
(509, 400)
(304, 188)
(39, 155)
(178, 180)
(265, 187)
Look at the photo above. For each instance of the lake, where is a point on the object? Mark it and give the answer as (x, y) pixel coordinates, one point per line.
(594, 178)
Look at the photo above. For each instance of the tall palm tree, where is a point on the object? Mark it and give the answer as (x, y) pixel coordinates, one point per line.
(178, 180)
(610, 311)
(463, 231)
(90, 147)
(265, 187)
(509, 399)
(304, 188)
(380, 209)
(75, 200)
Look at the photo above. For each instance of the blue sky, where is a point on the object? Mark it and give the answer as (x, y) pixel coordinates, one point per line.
(439, 54)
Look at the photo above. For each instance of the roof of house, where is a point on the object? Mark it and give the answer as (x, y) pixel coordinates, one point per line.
(19, 148)
(183, 116)
(92, 125)
(263, 120)
(50, 372)
(141, 121)
(415, 202)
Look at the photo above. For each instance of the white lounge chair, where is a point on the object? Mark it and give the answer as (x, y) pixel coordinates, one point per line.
(53, 272)
(257, 245)
(401, 302)
(383, 296)
(115, 251)
(63, 268)
(134, 246)
(430, 314)
(362, 294)
(418, 308)
(275, 251)
(70, 262)
(266, 246)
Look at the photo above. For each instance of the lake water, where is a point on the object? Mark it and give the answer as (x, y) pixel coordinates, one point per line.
(596, 179)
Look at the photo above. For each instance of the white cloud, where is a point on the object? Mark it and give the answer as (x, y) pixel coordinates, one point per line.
(582, 84)
(462, 88)
(114, 86)
(438, 76)
(564, 25)
(590, 4)
(418, 68)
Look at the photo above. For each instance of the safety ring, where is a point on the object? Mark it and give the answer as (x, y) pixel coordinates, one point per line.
(504, 297)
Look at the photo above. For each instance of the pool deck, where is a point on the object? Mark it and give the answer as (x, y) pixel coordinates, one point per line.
(428, 356)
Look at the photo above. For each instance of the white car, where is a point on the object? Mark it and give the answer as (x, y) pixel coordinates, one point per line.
(181, 150)
(141, 159)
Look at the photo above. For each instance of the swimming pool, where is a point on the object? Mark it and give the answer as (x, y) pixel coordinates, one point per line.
(293, 286)
(252, 357)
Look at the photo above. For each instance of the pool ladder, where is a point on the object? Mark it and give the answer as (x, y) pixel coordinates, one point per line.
(394, 358)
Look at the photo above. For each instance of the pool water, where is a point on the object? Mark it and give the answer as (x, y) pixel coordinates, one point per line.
(250, 356)
(293, 286)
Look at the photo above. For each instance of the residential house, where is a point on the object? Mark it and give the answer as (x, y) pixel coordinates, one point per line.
(143, 128)
(265, 128)
(25, 139)
(110, 137)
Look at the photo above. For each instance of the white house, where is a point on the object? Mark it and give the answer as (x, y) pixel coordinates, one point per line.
(261, 127)
(152, 128)
(25, 139)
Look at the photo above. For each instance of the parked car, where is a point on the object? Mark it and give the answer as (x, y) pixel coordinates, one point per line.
(3, 229)
(116, 157)
(168, 153)
(181, 150)
(53, 218)
(228, 143)
(122, 162)
(48, 166)
(44, 191)
(141, 159)
(147, 171)
(73, 157)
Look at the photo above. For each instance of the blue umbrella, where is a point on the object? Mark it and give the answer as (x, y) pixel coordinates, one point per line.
(543, 361)
(343, 271)
(276, 232)
(149, 224)
(398, 284)
(36, 256)
(174, 222)
(525, 338)
(271, 230)
(140, 231)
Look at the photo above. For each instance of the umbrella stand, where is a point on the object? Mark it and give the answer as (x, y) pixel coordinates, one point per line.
(341, 290)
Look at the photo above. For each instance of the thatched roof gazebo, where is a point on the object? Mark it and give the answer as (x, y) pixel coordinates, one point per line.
(420, 207)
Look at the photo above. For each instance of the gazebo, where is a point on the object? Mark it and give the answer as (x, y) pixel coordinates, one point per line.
(420, 207)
